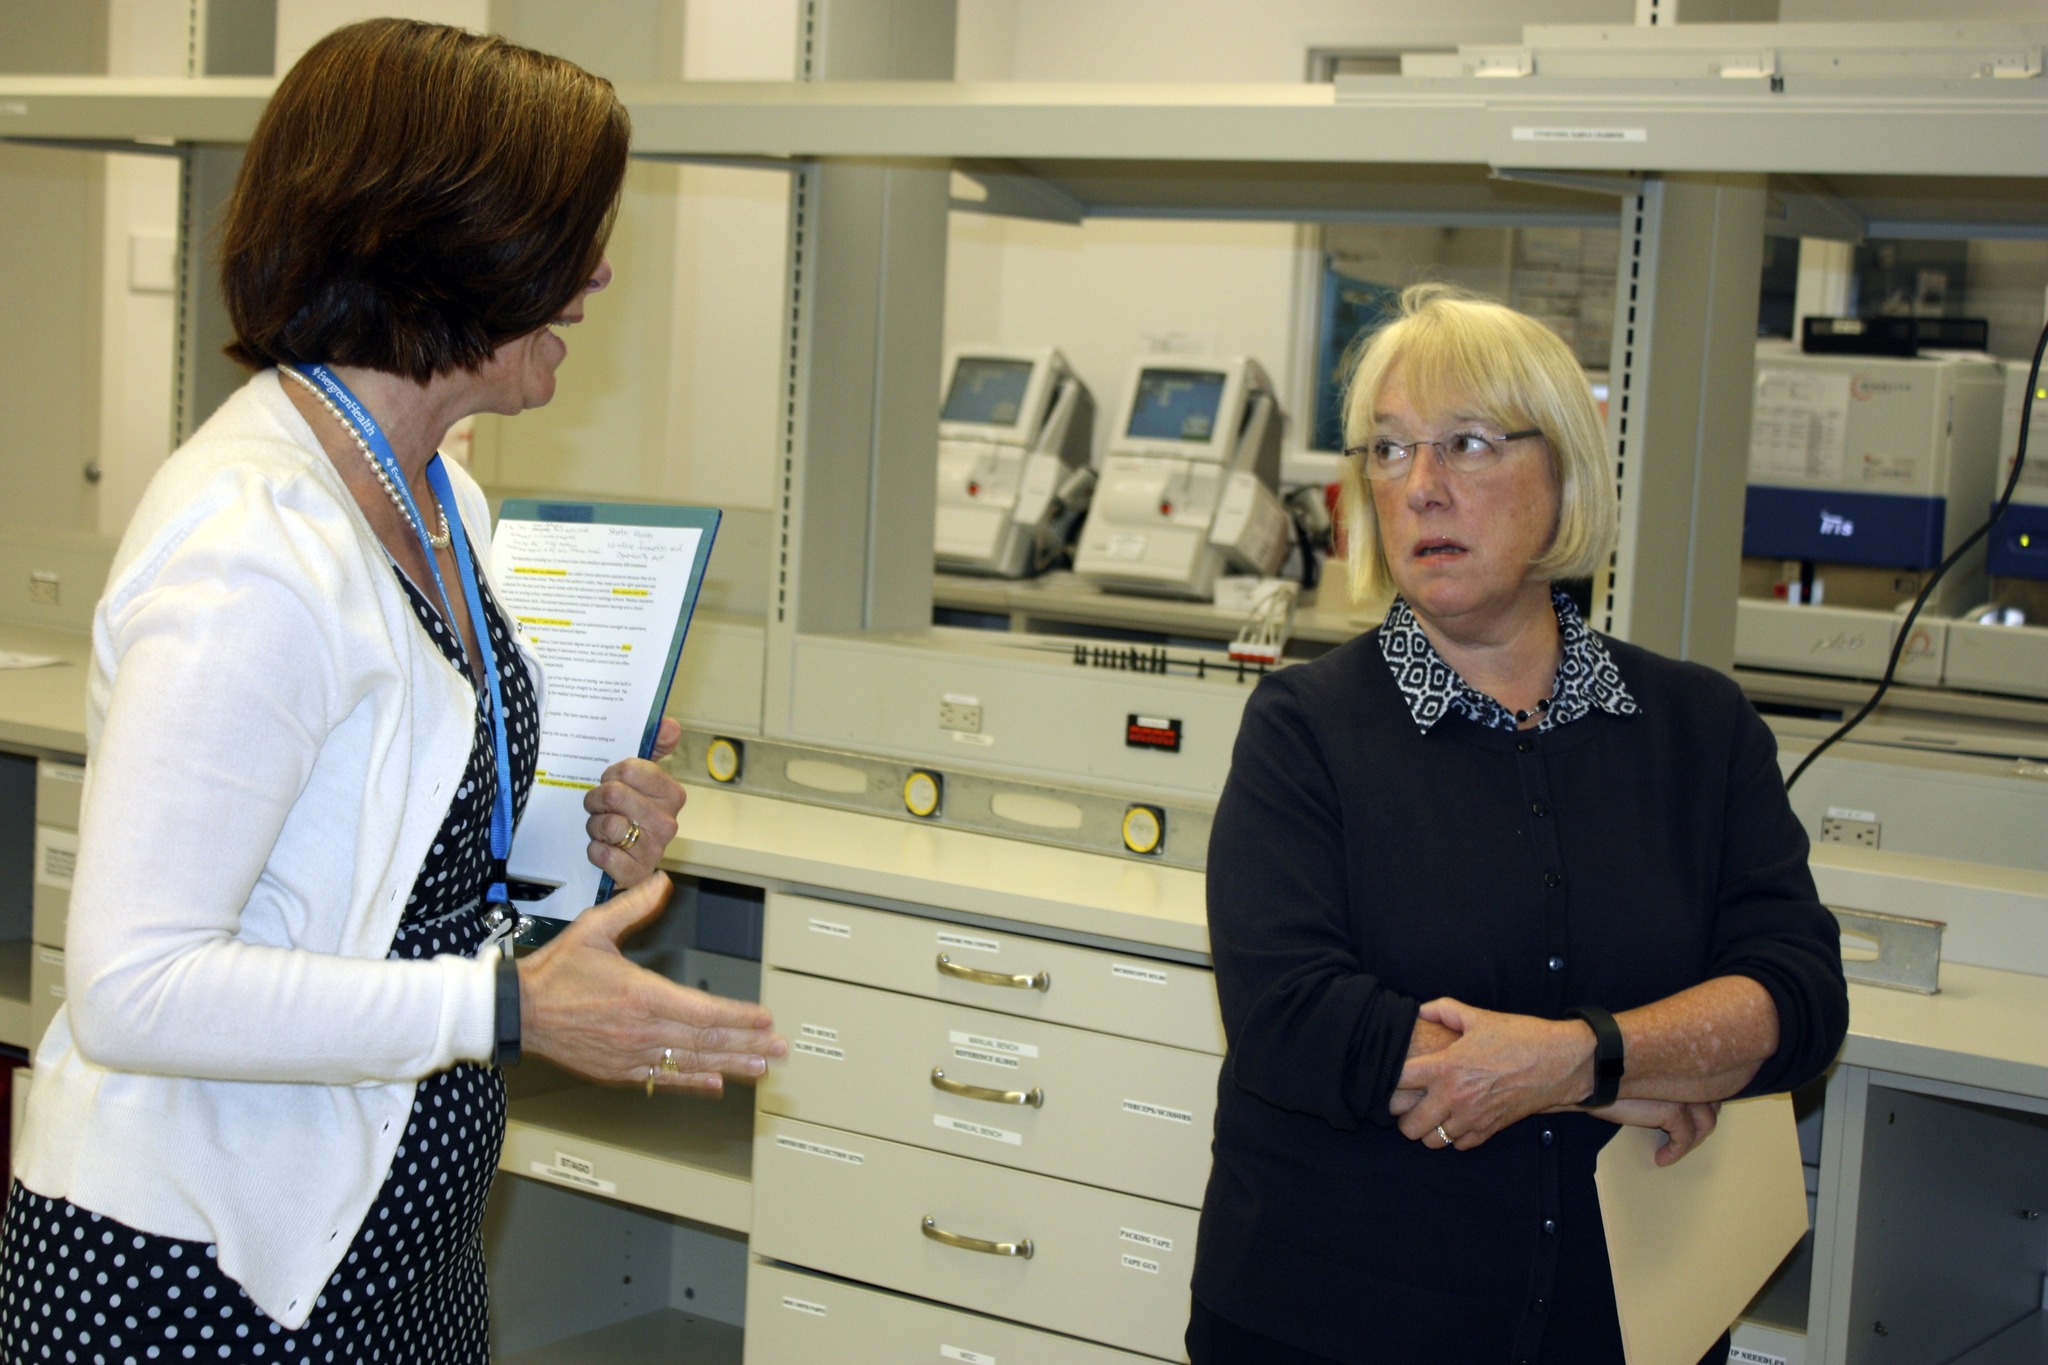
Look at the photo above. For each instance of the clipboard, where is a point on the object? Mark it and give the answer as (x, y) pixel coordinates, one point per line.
(603, 594)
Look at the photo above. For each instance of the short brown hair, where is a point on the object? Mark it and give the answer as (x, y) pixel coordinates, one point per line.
(414, 197)
(1459, 350)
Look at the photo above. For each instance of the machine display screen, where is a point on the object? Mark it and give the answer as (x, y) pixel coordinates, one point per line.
(989, 392)
(1177, 405)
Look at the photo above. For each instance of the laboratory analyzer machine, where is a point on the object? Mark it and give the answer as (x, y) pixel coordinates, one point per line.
(1187, 485)
(1864, 473)
(1014, 475)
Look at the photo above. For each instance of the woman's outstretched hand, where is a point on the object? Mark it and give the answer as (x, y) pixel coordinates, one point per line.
(584, 1006)
(635, 794)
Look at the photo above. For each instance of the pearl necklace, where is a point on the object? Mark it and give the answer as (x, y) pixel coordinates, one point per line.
(438, 542)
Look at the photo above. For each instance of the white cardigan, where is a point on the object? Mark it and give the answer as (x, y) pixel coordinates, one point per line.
(273, 743)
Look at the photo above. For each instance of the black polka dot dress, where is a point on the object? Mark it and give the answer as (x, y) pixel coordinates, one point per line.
(79, 1287)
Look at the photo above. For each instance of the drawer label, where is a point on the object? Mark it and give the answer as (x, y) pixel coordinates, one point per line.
(56, 856)
(987, 1044)
(834, 1054)
(965, 1356)
(1131, 971)
(980, 1130)
(797, 1305)
(820, 1032)
(1146, 1239)
(975, 1054)
(970, 942)
(1131, 1262)
(820, 1149)
(48, 771)
(831, 930)
(1157, 1111)
(1742, 1355)
(574, 1170)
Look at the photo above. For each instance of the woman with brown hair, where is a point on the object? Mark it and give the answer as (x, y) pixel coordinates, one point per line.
(265, 1121)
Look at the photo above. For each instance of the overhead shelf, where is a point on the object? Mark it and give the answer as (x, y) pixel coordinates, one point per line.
(1848, 157)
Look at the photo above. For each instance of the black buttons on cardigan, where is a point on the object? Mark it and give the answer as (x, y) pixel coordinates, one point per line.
(1539, 1307)
(1525, 746)
(1548, 1137)
(1556, 964)
(1549, 1226)
(1553, 878)
(1541, 807)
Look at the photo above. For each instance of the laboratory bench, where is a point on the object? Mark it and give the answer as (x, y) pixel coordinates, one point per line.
(650, 1229)
(893, 953)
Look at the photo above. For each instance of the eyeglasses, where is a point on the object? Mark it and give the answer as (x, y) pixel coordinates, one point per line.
(1465, 451)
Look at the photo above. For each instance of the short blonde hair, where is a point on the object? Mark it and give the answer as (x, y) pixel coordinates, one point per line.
(1457, 351)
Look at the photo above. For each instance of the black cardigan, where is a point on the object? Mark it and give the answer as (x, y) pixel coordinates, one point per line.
(1360, 866)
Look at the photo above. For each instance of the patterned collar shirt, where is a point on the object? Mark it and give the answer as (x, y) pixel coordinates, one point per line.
(1586, 679)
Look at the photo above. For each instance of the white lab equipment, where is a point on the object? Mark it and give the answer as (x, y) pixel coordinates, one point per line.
(1014, 475)
(1996, 647)
(1187, 484)
(1868, 470)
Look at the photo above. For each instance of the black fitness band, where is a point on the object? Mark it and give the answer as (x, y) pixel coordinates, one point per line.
(505, 1030)
(1608, 1062)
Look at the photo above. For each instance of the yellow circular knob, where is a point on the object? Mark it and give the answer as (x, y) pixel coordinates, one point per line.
(722, 760)
(1144, 829)
(921, 793)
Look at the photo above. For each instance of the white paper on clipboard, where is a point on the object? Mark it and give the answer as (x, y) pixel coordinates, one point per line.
(604, 605)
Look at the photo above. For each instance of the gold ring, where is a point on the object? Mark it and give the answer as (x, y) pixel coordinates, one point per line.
(631, 837)
(650, 1082)
(668, 1061)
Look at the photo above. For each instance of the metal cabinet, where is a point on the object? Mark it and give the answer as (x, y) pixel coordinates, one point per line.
(1037, 1155)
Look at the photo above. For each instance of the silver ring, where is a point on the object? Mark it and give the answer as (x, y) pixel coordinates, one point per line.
(1442, 1134)
(631, 837)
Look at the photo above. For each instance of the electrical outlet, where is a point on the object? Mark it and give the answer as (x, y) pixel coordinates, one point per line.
(1838, 829)
(42, 587)
(960, 715)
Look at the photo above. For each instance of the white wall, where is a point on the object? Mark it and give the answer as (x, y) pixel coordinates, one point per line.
(301, 23)
(672, 387)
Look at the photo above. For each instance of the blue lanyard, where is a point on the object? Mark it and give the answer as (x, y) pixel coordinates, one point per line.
(437, 476)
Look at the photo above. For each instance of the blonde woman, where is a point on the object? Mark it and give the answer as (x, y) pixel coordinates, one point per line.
(1483, 885)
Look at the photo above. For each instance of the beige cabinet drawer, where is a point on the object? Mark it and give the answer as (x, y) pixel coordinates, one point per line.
(1121, 993)
(1105, 1267)
(60, 791)
(1085, 1106)
(45, 991)
(799, 1319)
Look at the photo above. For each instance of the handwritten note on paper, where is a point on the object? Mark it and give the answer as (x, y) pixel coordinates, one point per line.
(599, 605)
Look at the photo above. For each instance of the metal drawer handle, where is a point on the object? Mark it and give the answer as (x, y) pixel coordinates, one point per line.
(1033, 1097)
(953, 1239)
(1042, 981)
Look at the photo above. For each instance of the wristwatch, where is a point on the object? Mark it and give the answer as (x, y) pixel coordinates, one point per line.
(1608, 1061)
(505, 1030)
